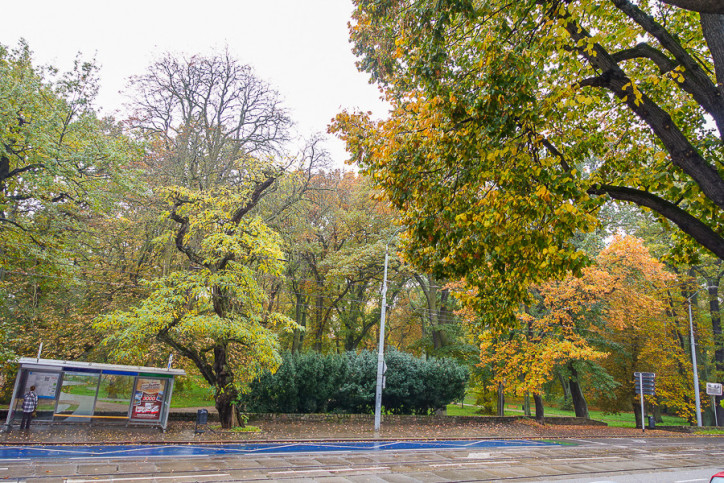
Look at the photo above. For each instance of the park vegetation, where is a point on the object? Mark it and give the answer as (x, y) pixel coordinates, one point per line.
(547, 186)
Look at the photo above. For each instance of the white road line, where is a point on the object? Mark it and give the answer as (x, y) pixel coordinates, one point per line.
(691, 481)
(478, 463)
(478, 455)
(130, 457)
(623, 446)
(321, 470)
(149, 478)
(589, 458)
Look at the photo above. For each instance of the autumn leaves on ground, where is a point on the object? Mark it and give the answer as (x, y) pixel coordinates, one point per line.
(543, 202)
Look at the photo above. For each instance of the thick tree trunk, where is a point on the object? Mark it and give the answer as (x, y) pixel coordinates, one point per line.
(224, 403)
(566, 388)
(439, 337)
(715, 311)
(712, 26)
(501, 400)
(703, 6)
(579, 401)
(526, 405)
(226, 394)
(538, 399)
(437, 310)
(636, 405)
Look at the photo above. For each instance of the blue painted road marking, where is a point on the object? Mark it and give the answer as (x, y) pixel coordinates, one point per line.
(127, 451)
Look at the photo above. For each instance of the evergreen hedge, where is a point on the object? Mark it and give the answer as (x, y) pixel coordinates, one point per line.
(345, 383)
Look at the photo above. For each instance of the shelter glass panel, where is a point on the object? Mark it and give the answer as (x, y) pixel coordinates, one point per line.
(77, 396)
(114, 396)
(46, 385)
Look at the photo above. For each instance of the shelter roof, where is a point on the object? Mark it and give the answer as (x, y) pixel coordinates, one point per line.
(55, 365)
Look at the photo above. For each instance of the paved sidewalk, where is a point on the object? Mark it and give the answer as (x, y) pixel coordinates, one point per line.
(440, 428)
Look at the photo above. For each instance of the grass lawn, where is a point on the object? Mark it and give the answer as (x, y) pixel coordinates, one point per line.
(715, 432)
(623, 420)
(192, 396)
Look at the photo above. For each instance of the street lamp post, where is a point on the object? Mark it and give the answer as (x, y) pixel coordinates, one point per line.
(693, 360)
(381, 351)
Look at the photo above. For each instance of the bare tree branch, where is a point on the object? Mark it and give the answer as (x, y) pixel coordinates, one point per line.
(698, 230)
(701, 6)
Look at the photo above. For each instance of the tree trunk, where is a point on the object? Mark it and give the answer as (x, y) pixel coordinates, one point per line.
(501, 400)
(226, 393)
(319, 321)
(538, 399)
(579, 401)
(566, 388)
(526, 405)
(439, 337)
(301, 319)
(715, 311)
(636, 404)
(225, 407)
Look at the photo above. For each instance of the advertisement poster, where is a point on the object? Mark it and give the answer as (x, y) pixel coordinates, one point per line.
(46, 383)
(148, 399)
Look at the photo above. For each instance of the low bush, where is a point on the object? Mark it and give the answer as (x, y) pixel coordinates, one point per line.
(345, 383)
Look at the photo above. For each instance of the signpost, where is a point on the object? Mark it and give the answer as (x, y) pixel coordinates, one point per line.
(714, 389)
(645, 385)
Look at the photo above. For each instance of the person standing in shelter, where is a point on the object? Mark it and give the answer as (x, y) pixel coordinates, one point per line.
(30, 402)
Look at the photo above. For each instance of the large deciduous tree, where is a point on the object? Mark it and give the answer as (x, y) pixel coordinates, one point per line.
(61, 169)
(512, 122)
(212, 314)
(203, 113)
(336, 246)
(216, 134)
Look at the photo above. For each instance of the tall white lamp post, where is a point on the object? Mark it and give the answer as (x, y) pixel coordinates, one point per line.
(381, 352)
(381, 349)
(693, 361)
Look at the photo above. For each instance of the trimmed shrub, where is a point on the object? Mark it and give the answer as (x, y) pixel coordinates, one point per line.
(345, 383)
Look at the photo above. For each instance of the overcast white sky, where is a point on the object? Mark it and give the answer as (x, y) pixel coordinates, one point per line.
(299, 46)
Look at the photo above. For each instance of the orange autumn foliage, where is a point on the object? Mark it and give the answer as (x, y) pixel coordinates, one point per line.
(614, 316)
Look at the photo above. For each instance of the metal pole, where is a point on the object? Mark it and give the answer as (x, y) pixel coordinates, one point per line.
(381, 351)
(9, 419)
(713, 406)
(641, 397)
(693, 362)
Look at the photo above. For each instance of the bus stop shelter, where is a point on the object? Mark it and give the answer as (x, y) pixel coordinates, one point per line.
(88, 392)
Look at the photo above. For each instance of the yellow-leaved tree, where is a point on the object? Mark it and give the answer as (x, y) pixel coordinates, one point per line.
(612, 321)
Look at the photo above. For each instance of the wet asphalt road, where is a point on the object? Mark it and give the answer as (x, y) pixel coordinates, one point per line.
(621, 460)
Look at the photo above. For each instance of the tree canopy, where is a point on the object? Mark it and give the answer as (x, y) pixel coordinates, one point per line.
(511, 123)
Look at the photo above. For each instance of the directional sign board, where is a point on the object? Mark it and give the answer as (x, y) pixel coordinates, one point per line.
(713, 389)
(644, 383)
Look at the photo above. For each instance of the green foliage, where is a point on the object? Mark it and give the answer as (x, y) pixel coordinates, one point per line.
(62, 170)
(497, 111)
(312, 382)
(357, 393)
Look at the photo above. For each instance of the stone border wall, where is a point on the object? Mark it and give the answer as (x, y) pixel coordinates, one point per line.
(182, 414)
(405, 419)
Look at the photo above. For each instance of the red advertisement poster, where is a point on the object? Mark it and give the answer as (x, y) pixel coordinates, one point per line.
(147, 399)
